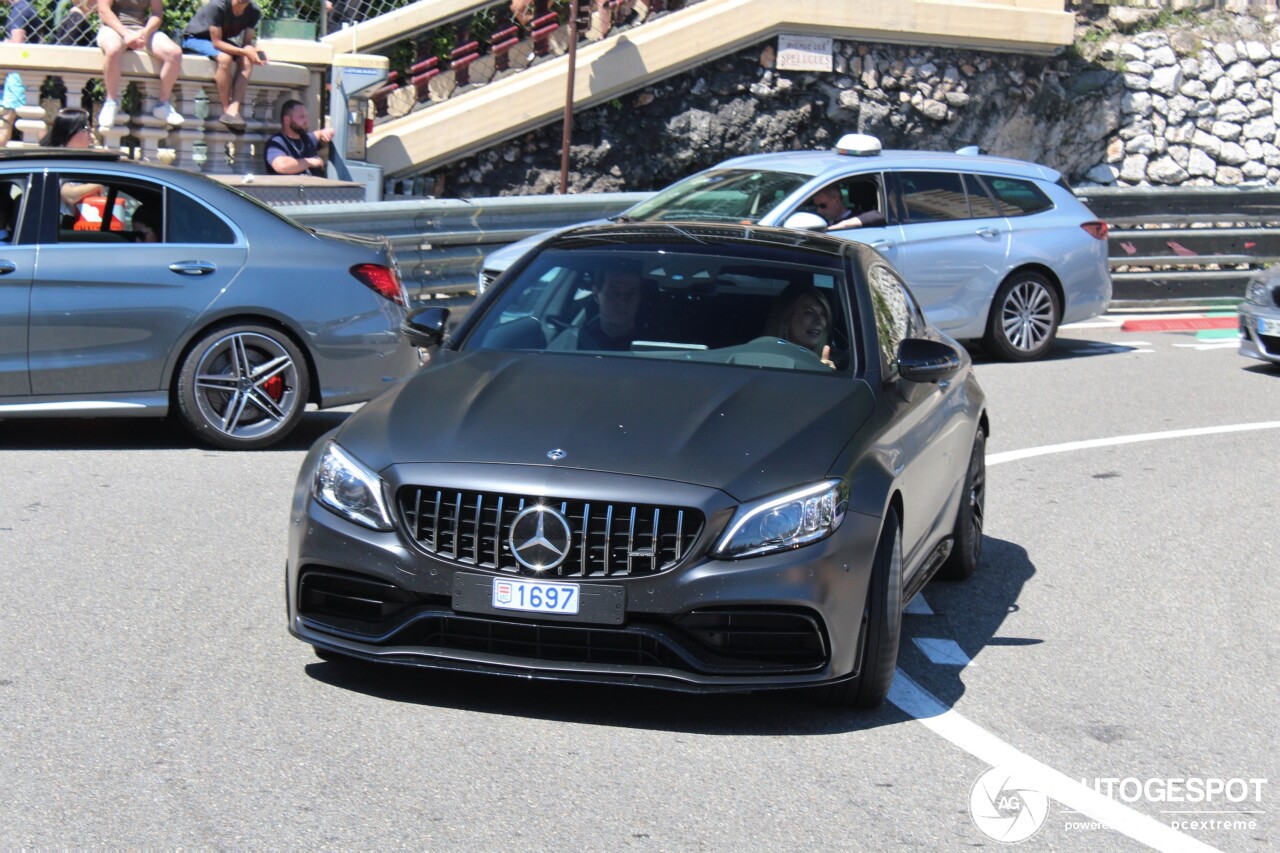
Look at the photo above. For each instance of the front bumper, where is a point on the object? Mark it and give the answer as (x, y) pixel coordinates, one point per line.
(781, 620)
(1254, 343)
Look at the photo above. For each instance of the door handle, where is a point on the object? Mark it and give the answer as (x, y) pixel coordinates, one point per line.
(7, 267)
(881, 245)
(987, 232)
(193, 267)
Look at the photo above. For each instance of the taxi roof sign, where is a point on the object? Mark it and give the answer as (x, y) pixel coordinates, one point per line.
(858, 145)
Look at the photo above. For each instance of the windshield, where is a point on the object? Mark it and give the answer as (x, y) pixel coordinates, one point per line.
(749, 307)
(724, 195)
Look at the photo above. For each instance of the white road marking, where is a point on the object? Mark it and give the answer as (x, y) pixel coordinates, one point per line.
(1231, 344)
(943, 652)
(1028, 453)
(918, 607)
(948, 724)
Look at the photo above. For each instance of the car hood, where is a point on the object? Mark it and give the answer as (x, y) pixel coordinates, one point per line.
(749, 432)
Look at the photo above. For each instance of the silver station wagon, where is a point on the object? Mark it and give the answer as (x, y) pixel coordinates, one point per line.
(129, 289)
(996, 250)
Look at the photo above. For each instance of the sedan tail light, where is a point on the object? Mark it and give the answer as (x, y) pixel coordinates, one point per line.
(381, 280)
(1096, 229)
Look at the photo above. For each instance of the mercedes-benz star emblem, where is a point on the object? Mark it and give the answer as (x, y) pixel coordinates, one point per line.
(539, 538)
(556, 455)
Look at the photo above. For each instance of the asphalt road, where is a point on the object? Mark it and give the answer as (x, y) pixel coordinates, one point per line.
(1122, 626)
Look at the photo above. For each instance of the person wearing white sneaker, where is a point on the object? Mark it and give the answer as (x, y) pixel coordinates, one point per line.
(135, 25)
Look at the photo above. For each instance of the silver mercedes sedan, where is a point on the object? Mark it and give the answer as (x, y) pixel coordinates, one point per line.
(131, 289)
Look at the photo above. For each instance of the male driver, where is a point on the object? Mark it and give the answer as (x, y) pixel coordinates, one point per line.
(296, 148)
(224, 31)
(614, 326)
(831, 207)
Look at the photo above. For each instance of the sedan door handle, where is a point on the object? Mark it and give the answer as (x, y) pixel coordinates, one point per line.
(987, 232)
(881, 245)
(7, 267)
(193, 267)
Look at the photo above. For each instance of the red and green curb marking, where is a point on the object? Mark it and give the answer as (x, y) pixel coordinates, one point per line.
(1215, 326)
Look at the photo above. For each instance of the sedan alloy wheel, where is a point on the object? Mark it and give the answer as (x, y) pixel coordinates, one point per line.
(244, 386)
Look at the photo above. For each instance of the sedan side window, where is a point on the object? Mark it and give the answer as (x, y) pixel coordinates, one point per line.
(934, 196)
(94, 209)
(189, 221)
(1018, 197)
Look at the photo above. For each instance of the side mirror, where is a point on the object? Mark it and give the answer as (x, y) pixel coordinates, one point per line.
(425, 327)
(805, 222)
(921, 360)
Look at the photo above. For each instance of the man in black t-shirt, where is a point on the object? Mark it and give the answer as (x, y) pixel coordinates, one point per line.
(224, 31)
(295, 149)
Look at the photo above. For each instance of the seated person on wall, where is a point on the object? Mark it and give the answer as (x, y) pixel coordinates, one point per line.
(73, 23)
(802, 316)
(831, 207)
(617, 295)
(135, 25)
(224, 31)
(295, 150)
(19, 29)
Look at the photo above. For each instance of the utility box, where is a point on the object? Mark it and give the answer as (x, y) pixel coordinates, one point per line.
(353, 78)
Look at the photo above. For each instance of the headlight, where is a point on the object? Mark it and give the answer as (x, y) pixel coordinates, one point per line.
(784, 521)
(346, 487)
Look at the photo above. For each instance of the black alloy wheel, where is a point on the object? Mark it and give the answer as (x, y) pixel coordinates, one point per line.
(966, 552)
(883, 618)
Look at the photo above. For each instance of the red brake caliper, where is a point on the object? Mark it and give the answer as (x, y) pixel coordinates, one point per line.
(274, 387)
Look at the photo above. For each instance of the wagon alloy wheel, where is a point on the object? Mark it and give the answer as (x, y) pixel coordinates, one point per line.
(966, 553)
(242, 387)
(1024, 318)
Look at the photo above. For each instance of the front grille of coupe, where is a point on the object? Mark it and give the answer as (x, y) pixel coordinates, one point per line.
(607, 539)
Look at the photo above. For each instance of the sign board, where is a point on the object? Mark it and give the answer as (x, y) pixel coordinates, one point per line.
(804, 53)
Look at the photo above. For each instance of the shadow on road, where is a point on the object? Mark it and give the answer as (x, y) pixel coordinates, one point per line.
(140, 434)
(1063, 349)
(970, 613)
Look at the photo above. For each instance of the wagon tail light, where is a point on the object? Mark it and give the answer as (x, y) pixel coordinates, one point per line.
(381, 280)
(1096, 229)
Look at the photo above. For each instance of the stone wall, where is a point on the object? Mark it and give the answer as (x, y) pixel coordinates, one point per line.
(1193, 104)
(1196, 112)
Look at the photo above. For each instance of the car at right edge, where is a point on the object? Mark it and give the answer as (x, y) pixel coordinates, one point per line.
(1260, 318)
(996, 250)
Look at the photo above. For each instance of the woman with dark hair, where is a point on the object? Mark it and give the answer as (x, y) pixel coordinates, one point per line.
(70, 129)
(802, 316)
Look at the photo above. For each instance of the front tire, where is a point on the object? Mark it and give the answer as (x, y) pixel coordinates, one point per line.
(967, 551)
(883, 615)
(1024, 318)
(242, 387)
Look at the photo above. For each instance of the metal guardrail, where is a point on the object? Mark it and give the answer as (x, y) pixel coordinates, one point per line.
(441, 243)
(1165, 243)
(1183, 244)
